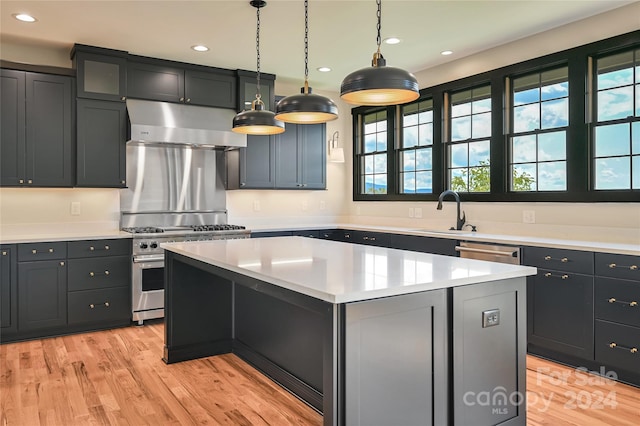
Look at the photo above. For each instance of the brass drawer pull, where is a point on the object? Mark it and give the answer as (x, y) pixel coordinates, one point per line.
(61, 263)
(106, 272)
(92, 248)
(4, 253)
(622, 302)
(563, 276)
(631, 268)
(93, 274)
(614, 345)
(106, 247)
(106, 304)
(563, 260)
(51, 250)
(92, 306)
(34, 251)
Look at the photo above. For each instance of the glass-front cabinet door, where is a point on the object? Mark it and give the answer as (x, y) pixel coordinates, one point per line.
(101, 77)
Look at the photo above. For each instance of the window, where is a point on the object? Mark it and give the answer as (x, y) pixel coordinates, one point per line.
(540, 111)
(469, 143)
(416, 148)
(617, 128)
(373, 155)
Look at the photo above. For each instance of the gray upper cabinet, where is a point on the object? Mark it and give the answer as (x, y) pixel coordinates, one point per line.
(170, 83)
(101, 73)
(247, 89)
(252, 167)
(37, 135)
(301, 157)
(101, 143)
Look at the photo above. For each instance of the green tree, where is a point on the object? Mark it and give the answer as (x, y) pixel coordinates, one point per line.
(480, 180)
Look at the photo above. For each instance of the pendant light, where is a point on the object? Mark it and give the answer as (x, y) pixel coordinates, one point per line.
(379, 84)
(306, 108)
(257, 120)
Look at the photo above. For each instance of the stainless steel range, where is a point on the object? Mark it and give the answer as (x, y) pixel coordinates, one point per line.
(175, 178)
(148, 260)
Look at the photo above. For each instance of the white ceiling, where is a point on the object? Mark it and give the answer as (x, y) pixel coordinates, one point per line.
(342, 34)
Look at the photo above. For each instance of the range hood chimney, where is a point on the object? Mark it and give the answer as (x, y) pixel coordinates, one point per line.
(164, 123)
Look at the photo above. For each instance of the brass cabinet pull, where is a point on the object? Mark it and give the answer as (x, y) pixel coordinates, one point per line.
(365, 238)
(21, 181)
(106, 304)
(614, 345)
(106, 272)
(622, 302)
(61, 263)
(373, 238)
(181, 99)
(563, 276)
(347, 235)
(51, 250)
(29, 181)
(122, 182)
(92, 306)
(4, 253)
(91, 274)
(124, 98)
(92, 248)
(188, 100)
(34, 251)
(563, 260)
(631, 267)
(106, 247)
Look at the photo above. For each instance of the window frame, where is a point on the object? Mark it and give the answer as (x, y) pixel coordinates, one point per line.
(579, 156)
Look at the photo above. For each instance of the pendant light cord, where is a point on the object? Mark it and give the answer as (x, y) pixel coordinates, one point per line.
(258, 96)
(378, 39)
(306, 46)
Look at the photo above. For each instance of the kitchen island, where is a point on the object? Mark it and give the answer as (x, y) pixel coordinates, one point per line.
(366, 335)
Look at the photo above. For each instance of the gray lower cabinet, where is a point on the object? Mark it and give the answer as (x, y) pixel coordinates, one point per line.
(37, 129)
(8, 289)
(42, 295)
(101, 143)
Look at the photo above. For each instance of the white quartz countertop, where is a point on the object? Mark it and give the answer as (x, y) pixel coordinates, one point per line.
(521, 240)
(26, 236)
(339, 272)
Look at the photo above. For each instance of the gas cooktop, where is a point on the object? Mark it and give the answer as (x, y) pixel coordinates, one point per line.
(186, 229)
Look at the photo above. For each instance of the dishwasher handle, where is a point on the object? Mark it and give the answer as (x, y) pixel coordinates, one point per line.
(484, 251)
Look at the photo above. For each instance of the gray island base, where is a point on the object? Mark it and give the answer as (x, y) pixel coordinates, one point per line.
(365, 335)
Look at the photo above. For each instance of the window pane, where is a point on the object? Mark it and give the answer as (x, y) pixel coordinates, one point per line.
(380, 163)
(458, 179)
(553, 91)
(426, 117)
(423, 159)
(408, 161)
(381, 141)
(552, 176)
(526, 96)
(481, 125)
(637, 100)
(523, 177)
(460, 110)
(613, 173)
(635, 144)
(426, 134)
(368, 164)
(612, 140)
(370, 128)
(424, 183)
(552, 146)
(369, 143)
(460, 129)
(408, 183)
(380, 184)
(636, 171)
(526, 118)
(615, 70)
(482, 105)
(524, 149)
(555, 113)
(459, 155)
(479, 153)
(410, 137)
(410, 120)
(367, 184)
(479, 179)
(615, 103)
(527, 82)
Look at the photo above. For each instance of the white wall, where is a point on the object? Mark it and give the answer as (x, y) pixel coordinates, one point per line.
(614, 222)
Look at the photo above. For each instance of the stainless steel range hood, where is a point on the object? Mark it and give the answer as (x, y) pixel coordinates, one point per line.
(164, 123)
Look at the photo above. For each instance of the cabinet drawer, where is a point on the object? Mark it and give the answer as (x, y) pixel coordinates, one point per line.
(618, 266)
(618, 346)
(559, 259)
(107, 304)
(618, 300)
(41, 251)
(89, 274)
(96, 248)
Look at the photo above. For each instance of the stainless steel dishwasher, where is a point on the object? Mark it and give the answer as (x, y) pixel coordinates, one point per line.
(490, 252)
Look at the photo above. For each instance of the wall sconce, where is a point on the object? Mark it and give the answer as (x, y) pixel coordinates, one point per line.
(336, 154)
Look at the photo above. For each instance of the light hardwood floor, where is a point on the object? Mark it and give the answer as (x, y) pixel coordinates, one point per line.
(117, 377)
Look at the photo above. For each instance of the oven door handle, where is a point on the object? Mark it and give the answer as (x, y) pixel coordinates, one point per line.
(148, 258)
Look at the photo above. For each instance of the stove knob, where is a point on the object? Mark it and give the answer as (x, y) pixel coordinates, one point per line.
(154, 245)
(143, 245)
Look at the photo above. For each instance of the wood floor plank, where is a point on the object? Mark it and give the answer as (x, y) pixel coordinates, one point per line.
(116, 377)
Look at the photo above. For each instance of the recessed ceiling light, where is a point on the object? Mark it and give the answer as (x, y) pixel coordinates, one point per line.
(392, 40)
(24, 17)
(324, 69)
(446, 52)
(200, 48)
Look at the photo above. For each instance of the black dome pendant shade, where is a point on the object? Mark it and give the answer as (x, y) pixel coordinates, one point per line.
(257, 120)
(306, 107)
(379, 84)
